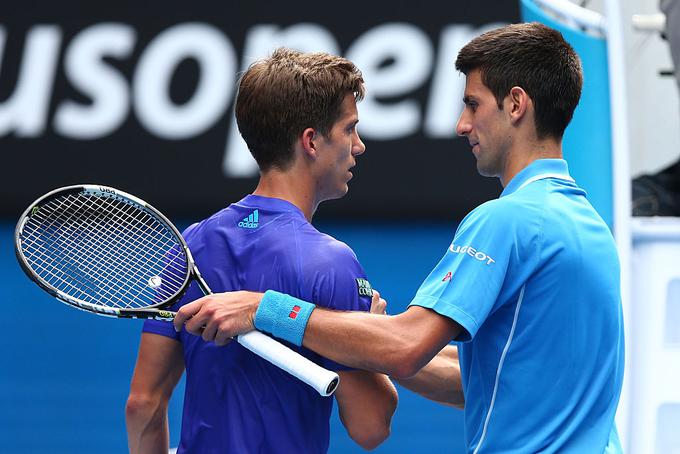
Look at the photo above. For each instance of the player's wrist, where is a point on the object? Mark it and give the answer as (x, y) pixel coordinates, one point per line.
(283, 316)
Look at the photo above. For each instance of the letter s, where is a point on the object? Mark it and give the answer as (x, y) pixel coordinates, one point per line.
(86, 69)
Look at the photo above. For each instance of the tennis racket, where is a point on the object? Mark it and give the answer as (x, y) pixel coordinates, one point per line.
(107, 252)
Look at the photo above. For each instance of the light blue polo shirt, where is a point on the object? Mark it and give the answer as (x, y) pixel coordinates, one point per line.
(533, 278)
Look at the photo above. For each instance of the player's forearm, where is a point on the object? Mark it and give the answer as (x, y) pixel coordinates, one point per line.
(439, 380)
(158, 369)
(366, 403)
(147, 426)
(397, 345)
(361, 340)
(155, 442)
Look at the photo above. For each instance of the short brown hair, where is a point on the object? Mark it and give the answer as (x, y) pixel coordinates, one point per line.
(281, 96)
(536, 58)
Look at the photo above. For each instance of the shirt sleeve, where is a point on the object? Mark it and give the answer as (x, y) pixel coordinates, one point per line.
(465, 285)
(338, 282)
(166, 328)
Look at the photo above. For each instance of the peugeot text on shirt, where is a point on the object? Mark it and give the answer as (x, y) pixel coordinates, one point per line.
(472, 252)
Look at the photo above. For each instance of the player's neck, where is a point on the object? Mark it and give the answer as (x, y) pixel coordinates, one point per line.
(527, 151)
(288, 186)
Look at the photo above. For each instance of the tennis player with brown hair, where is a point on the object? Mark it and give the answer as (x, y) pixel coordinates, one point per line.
(297, 113)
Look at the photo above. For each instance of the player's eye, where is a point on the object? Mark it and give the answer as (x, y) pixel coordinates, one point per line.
(470, 104)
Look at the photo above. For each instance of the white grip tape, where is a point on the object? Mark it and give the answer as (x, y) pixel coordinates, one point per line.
(322, 380)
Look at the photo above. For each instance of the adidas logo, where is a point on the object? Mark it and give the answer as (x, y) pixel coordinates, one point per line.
(250, 222)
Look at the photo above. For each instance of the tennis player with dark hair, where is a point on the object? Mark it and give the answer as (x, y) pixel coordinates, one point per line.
(529, 287)
(297, 112)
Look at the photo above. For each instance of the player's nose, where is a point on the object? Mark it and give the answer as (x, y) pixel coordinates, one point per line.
(464, 126)
(358, 146)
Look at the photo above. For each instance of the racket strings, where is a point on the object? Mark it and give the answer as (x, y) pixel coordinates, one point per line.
(96, 271)
(131, 239)
(53, 275)
(66, 241)
(170, 269)
(104, 250)
(132, 232)
(126, 282)
(51, 251)
(62, 242)
(91, 272)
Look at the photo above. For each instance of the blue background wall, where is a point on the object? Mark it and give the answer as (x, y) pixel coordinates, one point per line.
(65, 374)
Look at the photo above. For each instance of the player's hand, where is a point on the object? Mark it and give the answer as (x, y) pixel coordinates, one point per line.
(378, 305)
(219, 317)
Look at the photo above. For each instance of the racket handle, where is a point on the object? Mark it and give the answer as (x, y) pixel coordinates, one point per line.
(322, 380)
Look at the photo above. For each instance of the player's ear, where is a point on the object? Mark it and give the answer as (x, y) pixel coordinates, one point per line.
(517, 102)
(309, 139)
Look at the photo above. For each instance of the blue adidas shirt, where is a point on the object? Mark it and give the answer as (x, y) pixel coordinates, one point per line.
(533, 278)
(236, 402)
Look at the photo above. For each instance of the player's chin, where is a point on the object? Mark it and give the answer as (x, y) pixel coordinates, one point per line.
(488, 171)
(484, 168)
(483, 172)
(340, 191)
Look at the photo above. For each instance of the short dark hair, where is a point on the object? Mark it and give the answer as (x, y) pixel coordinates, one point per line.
(537, 59)
(281, 96)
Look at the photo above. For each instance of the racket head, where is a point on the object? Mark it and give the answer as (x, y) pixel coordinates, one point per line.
(102, 250)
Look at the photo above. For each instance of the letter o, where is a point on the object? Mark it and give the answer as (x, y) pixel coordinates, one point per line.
(151, 82)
